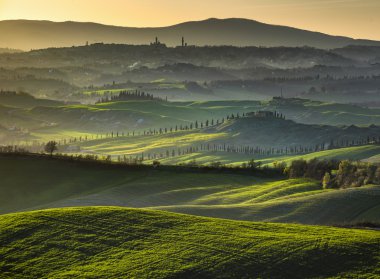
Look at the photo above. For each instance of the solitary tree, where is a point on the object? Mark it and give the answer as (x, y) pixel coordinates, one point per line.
(252, 164)
(156, 163)
(326, 180)
(50, 147)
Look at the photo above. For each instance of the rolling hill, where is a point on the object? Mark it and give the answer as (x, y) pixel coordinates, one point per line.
(368, 153)
(9, 50)
(157, 153)
(51, 183)
(26, 34)
(120, 61)
(48, 120)
(274, 132)
(128, 243)
(24, 100)
(245, 132)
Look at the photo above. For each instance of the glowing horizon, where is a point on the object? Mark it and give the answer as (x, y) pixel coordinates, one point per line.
(352, 18)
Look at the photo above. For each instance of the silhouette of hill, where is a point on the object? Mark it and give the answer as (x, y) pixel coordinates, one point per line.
(26, 34)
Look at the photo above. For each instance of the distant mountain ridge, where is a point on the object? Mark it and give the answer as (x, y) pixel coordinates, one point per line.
(31, 34)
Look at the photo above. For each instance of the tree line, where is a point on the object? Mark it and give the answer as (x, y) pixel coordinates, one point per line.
(218, 147)
(327, 77)
(152, 131)
(250, 150)
(129, 96)
(332, 174)
(135, 162)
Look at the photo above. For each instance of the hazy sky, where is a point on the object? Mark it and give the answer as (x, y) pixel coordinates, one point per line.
(354, 18)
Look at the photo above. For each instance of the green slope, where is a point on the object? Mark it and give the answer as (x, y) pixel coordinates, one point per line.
(24, 100)
(315, 112)
(365, 153)
(46, 183)
(348, 153)
(145, 144)
(29, 182)
(134, 115)
(109, 242)
(275, 132)
(267, 136)
(61, 121)
(302, 204)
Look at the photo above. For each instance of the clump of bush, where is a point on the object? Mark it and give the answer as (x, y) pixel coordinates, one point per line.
(335, 174)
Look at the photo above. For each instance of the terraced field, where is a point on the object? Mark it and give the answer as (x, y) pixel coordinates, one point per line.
(47, 183)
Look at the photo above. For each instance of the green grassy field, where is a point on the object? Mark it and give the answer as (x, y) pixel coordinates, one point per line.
(349, 153)
(365, 153)
(295, 202)
(47, 183)
(110, 242)
(132, 146)
(55, 122)
(144, 144)
(68, 121)
(307, 111)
